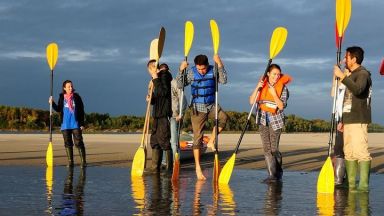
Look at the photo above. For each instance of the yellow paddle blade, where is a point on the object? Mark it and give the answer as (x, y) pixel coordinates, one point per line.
(325, 204)
(188, 39)
(226, 172)
(216, 169)
(343, 14)
(176, 168)
(138, 163)
(326, 180)
(49, 179)
(52, 54)
(138, 191)
(215, 36)
(161, 42)
(153, 54)
(279, 36)
(49, 155)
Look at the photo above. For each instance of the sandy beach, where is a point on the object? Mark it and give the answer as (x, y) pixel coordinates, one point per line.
(301, 152)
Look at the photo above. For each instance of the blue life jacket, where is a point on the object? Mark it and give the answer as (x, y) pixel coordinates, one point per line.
(203, 86)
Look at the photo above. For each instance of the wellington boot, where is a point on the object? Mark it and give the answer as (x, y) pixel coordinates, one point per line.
(157, 155)
(364, 167)
(169, 161)
(351, 167)
(279, 165)
(69, 151)
(339, 167)
(270, 162)
(82, 156)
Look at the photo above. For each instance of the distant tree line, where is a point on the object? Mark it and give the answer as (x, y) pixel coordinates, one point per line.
(27, 119)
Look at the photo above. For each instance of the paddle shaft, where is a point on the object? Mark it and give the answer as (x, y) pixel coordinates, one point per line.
(253, 106)
(181, 100)
(50, 108)
(216, 107)
(147, 114)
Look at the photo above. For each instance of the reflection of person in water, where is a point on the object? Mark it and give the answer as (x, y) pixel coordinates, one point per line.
(362, 202)
(72, 203)
(272, 205)
(160, 195)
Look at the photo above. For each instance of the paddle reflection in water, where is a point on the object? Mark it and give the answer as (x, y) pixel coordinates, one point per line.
(273, 197)
(49, 185)
(138, 193)
(325, 203)
(72, 200)
(228, 204)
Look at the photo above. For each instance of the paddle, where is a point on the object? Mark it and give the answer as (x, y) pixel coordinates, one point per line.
(279, 36)
(216, 41)
(188, 39)
(326, 179)
(382, 68)
(138, 163)
(52, 53)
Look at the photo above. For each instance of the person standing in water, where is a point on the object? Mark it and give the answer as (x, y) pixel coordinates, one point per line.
(71, 109)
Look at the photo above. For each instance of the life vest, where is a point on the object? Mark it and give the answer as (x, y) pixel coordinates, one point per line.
(203, 86)
(266, 101)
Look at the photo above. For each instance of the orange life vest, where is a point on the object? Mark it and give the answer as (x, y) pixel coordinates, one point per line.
(266, 101)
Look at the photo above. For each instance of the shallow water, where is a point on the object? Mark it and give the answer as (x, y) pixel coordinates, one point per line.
(110, 191)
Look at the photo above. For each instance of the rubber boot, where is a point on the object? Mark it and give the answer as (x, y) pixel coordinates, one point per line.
(69, 151)
(339, 167)
(270, 162)
(82, 156)
(279, 165)
(351, 167)
(169, 160)
(364, 167)
(157, 155)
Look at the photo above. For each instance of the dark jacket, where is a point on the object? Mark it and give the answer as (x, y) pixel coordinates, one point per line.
(359, 85)
(79, 108)
(161, 96)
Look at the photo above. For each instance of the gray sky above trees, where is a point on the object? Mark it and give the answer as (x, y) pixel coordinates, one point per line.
(103, 48)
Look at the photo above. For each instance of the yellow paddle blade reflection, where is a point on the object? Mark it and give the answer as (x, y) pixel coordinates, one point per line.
(138, 192)
(49, 155)
(326, 180)
(325, 204)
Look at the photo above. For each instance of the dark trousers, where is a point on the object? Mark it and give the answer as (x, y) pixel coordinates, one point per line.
(161, 134)
(77, 137)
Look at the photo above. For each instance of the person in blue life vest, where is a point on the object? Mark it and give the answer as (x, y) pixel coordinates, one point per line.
(71, 109)
(161, 113)
(272, 101)
(356, 117)
(201, 77)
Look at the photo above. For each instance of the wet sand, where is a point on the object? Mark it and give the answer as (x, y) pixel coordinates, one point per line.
(301, 152)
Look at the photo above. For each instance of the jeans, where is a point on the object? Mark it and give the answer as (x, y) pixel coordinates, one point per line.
(174, 127)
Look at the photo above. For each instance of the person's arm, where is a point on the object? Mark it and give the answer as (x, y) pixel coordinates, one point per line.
(359, 86)
(221, 70)
(175, 99)
(81, 113)
(188, 78)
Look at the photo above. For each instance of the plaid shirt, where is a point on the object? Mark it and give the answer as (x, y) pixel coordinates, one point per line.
(275, 120)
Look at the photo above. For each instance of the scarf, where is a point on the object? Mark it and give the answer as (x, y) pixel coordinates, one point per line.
(69, 98)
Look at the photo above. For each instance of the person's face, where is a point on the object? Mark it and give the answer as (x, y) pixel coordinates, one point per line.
(349, 61)
(202, 69)
(274, 76)
(68, 88)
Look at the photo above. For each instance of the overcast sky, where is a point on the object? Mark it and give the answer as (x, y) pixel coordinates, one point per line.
(104, 45)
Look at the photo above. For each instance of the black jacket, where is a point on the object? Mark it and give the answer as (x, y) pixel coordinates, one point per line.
(79, 109)
(161, 96)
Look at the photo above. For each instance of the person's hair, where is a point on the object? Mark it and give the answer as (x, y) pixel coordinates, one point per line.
(65, 83)
(150, 62)
(356, 52)
(201, 60)
(164, 66)
(274, 66)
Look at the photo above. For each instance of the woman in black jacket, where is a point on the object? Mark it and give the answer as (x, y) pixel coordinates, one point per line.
(71, 109)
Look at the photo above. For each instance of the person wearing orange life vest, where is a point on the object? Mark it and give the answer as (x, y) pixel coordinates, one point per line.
(272, 100)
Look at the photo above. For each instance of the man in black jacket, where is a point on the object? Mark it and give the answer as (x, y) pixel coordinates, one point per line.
(161, 112)
(356, 117)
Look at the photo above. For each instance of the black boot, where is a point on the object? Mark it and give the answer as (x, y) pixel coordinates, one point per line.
(279, 165)
(82, 155)
(339, 171)
(169, 160)
(157, 155)
(270, 162)
(69, 151)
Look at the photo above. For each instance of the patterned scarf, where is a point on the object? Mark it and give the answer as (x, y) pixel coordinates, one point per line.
(69, 99)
